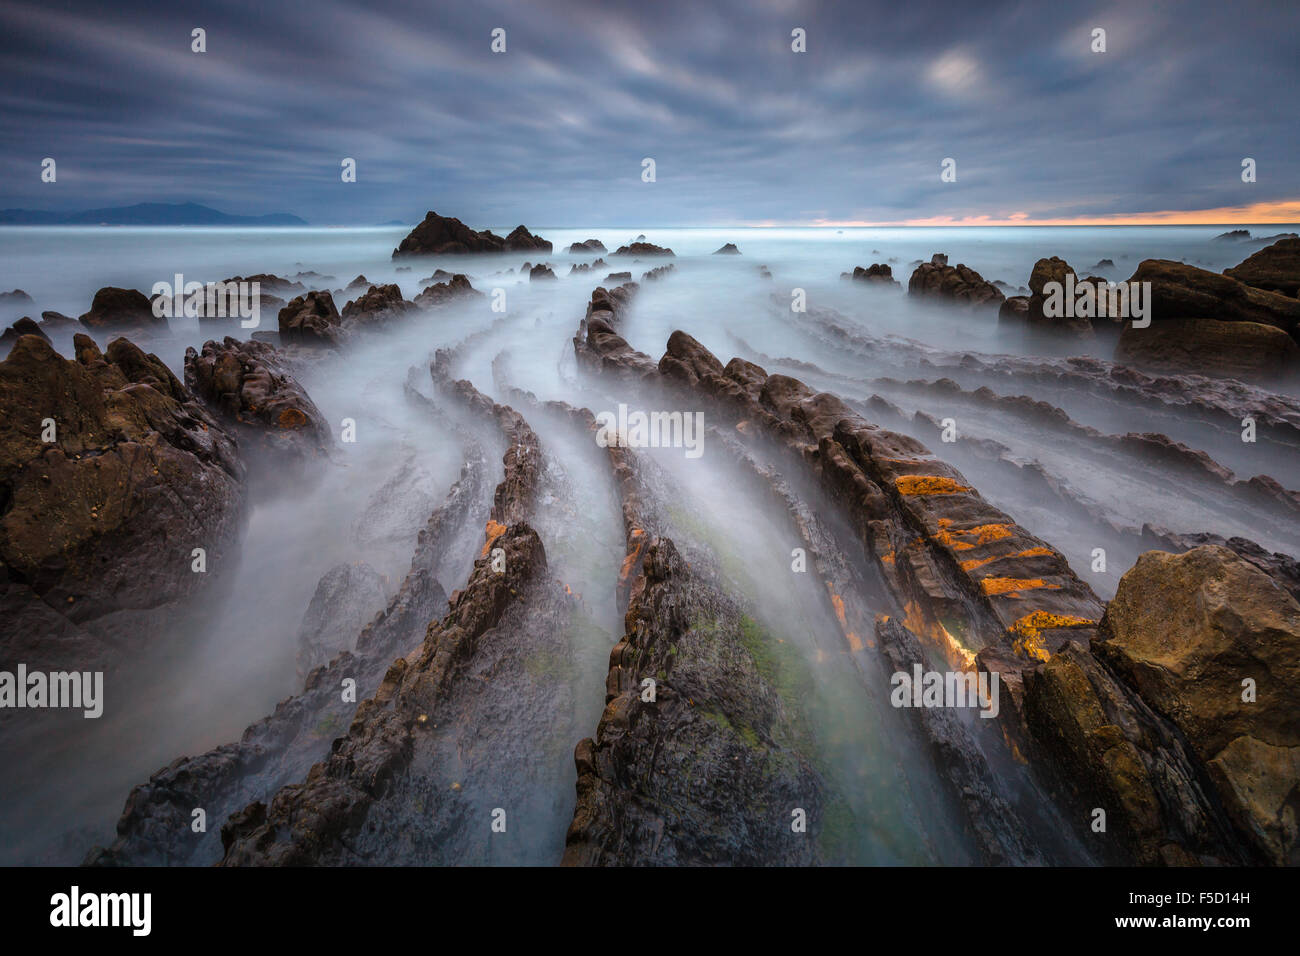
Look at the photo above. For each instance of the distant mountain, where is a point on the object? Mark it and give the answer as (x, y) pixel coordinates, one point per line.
(145, 214)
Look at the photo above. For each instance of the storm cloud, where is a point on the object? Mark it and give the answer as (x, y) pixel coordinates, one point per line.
(742, 129)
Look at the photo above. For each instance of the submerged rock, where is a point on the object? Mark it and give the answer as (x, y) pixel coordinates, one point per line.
(878, 272)
(643, 249)
(346, 598)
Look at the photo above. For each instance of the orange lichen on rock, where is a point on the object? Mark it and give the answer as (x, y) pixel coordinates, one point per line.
(1028, 631)
(1013, 586)
(625, 572)
(855, 642)
(495, 529)
(927, 485)
(967, 538)
(291, 418)
(974, 563)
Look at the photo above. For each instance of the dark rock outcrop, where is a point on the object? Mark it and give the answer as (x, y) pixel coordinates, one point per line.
(379, 305)
(250, 385)
(956, 284)
(443, 292)
(1213, 324)
(728, 250)
(643, 249)
(114, 308)
(657, 273)
(1275, 268)
(540, 271)
(877, 273)
(443, 235)
(589, 245)
(24, 326)
(1180, 291)
(99, 523)
(1189, 632)
(312, 319)
(1248, 351)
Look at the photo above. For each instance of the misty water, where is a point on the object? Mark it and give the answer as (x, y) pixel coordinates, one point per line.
(233, 655)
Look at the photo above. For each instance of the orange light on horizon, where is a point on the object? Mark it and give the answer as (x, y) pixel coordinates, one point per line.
(1277, 212)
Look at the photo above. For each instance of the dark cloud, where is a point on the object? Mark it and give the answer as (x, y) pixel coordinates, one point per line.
(742, 129)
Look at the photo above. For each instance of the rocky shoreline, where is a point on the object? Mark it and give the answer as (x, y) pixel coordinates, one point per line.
(1168, 709)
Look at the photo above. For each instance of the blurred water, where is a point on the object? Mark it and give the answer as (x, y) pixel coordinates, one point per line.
(231, 669)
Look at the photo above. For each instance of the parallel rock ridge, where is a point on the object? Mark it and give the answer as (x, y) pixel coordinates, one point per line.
(431, 748)
(1095, 726)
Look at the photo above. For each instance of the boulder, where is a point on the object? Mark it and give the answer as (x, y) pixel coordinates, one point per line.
(114, 308)
(273, 284)
(878, 272)
(1180, 291)
(249, 385)
(312, 319)
(444, 292)
(540, 271)
(643, 249)
(589, 245)
(1249, 351)
(379, 305)
(1275, 268)
(444, 235)
(1188, 631)
(1014, 309)
(99, 524)
(956, 284)
(24, 326)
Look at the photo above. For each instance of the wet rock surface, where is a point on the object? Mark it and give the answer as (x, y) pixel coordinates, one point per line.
(1275, 268)
(99, 521)
(252, 387)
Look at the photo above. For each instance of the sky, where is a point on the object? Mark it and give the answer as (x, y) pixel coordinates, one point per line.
(742, 129)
